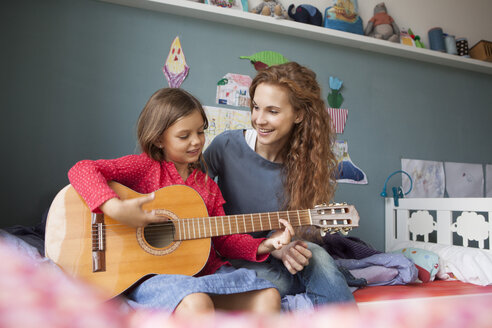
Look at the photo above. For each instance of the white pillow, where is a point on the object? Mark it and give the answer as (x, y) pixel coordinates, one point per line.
(470, 265)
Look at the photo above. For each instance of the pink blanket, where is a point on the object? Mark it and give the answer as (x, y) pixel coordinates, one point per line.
(37, 294)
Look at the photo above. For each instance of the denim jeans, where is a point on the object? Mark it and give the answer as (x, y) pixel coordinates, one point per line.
(320, 279)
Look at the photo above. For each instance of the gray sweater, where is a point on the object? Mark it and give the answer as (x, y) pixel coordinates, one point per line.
(249, 183)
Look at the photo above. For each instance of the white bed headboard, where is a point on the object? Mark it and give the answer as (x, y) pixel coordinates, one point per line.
(423, 216)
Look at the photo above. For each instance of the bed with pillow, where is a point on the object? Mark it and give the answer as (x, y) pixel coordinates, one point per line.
(448, 240)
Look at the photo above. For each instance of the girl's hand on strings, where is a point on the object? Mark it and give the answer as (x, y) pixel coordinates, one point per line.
(130, 212)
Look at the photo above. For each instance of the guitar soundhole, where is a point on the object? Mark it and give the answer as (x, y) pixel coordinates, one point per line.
(158, 238)
(159, 235)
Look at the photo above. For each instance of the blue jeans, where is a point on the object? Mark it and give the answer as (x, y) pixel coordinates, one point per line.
(320, 279)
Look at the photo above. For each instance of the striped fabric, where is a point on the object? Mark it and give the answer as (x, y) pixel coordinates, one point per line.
(338, 118)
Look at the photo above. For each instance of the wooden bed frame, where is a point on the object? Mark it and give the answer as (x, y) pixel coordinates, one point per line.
(459, 222)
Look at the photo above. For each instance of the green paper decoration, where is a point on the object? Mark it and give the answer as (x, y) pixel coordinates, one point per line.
(335, 98)
(265, 59)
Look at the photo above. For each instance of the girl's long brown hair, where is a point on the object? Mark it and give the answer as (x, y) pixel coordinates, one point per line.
(309, 162)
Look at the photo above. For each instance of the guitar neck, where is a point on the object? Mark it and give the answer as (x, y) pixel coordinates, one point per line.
(207, 227)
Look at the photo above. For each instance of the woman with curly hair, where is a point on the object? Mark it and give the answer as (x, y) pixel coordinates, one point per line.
(284, 163)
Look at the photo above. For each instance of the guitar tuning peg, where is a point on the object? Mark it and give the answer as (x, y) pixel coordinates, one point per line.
(344, 232)
(334, 230)
(322, 232)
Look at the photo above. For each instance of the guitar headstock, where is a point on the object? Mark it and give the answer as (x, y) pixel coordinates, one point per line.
(335, 218)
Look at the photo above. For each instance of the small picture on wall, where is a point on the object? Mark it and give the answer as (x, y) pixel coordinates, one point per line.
(222, 119)
(427, 176)
(464, 179)
(347, 171)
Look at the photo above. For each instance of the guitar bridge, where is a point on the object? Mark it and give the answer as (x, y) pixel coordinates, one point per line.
(98, 243)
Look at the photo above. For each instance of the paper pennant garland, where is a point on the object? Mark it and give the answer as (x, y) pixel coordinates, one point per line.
(175, 68)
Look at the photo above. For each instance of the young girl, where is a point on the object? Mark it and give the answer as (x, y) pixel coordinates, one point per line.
(284, 163)
(170, 133)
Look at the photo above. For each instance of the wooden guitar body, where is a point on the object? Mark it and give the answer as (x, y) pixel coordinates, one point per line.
(127, 251)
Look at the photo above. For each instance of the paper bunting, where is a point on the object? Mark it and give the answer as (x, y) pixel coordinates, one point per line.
(175, 68)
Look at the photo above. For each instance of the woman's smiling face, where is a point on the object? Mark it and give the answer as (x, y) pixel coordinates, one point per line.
(273, 116)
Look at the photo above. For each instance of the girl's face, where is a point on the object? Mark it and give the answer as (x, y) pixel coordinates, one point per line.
(273, 117)
(183, 141)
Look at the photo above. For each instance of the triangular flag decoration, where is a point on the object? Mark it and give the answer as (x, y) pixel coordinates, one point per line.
(175, 68)
(264, 59)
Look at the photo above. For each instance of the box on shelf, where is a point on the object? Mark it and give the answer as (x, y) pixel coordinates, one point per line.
(482, 50)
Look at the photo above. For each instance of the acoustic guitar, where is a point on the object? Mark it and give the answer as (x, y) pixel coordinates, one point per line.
(113, 256)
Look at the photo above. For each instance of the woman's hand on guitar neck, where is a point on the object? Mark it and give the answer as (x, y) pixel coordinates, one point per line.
(130, 212)
(278, 239)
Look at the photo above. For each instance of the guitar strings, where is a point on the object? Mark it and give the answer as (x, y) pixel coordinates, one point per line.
(290, 215)
(255, 217)
(205, 227)
(252, 221)
(249, 223)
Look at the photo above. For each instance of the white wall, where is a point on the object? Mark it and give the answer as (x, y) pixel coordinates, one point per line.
(462, 18)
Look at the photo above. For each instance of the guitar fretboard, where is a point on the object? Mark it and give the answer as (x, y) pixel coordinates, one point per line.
(196, 228)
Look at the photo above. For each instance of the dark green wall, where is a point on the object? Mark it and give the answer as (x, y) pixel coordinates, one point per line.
(76, 73)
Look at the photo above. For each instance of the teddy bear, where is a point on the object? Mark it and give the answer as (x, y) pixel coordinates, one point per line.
(382, 25)
(270, 8)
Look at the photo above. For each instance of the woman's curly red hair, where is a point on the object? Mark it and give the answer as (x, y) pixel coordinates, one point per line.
(309, 161)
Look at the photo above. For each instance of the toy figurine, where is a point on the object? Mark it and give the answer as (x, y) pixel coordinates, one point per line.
(382, 25)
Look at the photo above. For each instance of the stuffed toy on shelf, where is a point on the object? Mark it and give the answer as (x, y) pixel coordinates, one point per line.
(270, 8)
(343, 15)
(382, 25)
(305, 14)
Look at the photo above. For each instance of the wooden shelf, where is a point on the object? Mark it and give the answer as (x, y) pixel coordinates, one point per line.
(288, 27)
